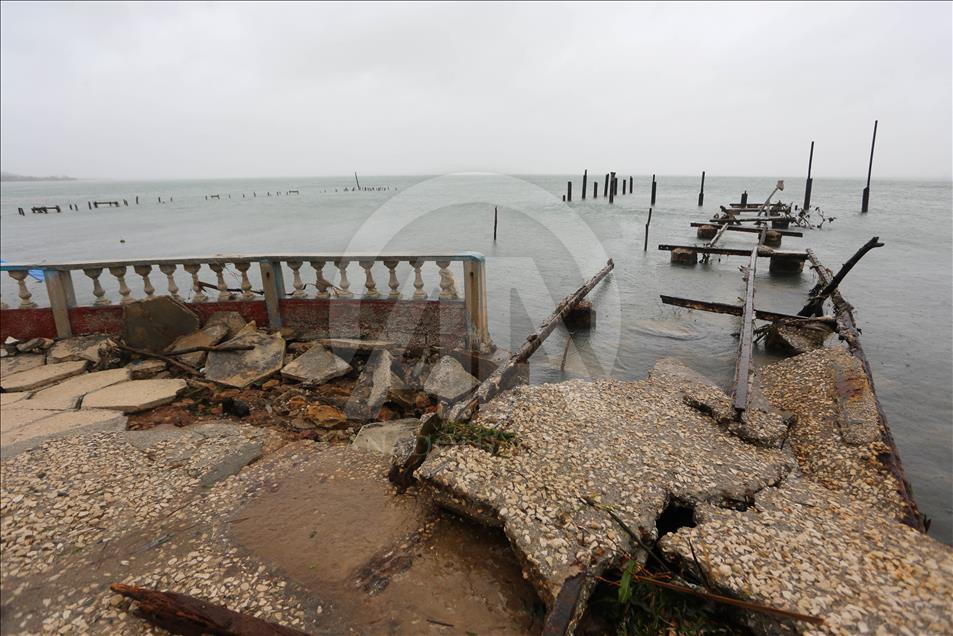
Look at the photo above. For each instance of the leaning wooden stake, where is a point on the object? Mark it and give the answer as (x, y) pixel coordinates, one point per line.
(743, 363)
(463, 410)
(848, 332)
(181, 613)
(645, 245)
(815, 305)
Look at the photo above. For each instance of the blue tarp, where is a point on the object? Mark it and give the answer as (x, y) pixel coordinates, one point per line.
(36, 274)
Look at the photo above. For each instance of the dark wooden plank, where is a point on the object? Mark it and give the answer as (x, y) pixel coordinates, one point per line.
(763, 252)
(731, 310)
(751, 230)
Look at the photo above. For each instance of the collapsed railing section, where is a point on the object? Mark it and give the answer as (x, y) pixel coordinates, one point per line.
(262, 277)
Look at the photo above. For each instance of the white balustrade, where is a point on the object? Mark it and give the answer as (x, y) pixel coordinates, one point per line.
(61, 295)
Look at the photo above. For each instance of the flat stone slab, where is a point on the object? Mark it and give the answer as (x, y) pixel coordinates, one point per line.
(68, 393)
(91, 348)
(380, 437)
(41, 376)
(232, 320)
(448, 380)
(208, 336)
(370, 391)
(9, 399)
(153, 324)
(145, 369)
(59, 424)
(13, 418)
(22, 362)
(633, 446)
(316, 365)
(241, 368)
(135, 395)
(806, 549)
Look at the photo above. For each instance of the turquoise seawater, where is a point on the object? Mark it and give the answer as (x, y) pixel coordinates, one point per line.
(545, 248)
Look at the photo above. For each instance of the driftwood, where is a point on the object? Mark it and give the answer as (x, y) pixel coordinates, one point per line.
(738, 310)
(158, 356)
(816, 304)
(848, 332)
(461, 411)
(181, 613)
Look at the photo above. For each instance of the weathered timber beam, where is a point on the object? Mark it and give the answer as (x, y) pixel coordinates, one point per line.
(763, 252)
(750, 230)
(816, 304)
(745, 341)
(181, 612)
(735, 310)
(848, 332)
(760, 219)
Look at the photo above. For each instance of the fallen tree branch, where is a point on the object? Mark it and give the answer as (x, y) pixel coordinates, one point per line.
(158, 356)
(171, 609)
(815, 305)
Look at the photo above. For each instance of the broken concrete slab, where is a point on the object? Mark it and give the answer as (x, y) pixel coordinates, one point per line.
(805, 549)
(633, 446)
(67, 394)
(380, 437)
(153, 324)
(828, 392)
(135, 395)
(356, 344)
(145, 369)
(232, 320)
(315, 366)
(212, 472)
(23, 362)
(93, 348)
(241, 368)
(59, 424)
(792, 339)
(42, 376)
(13, 418)
(208, 336)
(370, 391)
(448, 380)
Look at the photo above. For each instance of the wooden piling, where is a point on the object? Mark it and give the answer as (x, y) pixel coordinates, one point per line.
(810, 182)
(625, 182)
(645, 247)
(585, 174)
(89, 205)
(569, 191)
(605, 189)
(612, 187)
(744, 198)
(870, 167)
(595, 189)
(653, 189)
(494, 223)
(631, 185)
(701, 193)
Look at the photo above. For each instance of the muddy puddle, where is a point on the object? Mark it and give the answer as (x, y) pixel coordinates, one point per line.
(379, 563)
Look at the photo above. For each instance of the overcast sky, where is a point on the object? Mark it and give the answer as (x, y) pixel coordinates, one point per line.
(241, 90)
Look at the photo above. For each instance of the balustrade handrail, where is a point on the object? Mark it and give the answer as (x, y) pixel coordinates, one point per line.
(351, 257)
(59, 282)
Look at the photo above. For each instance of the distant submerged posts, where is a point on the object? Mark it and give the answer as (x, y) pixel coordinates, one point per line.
(585, 174)
(612, 186)
(605, 189)
(870, 168)
(701, 193)
(653, 189)
(595, 190)
(495, 212)
(569, 191)
(631, 185)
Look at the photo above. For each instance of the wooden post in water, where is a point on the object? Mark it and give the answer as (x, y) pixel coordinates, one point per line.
(89, 205)
(595, 189)
(631, 185)
(701, 193)
(870, 168)
(744, 198)
(605, 189)
(625, 182)
(585, 174)
(653, 189)
(645, 247)
(569, 191)
(612, 187)
(494, 223)
(810, 182)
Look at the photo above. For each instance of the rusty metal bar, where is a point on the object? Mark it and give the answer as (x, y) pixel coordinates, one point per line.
(731, 310)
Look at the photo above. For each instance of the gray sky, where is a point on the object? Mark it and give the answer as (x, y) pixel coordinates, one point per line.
(222, 90)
